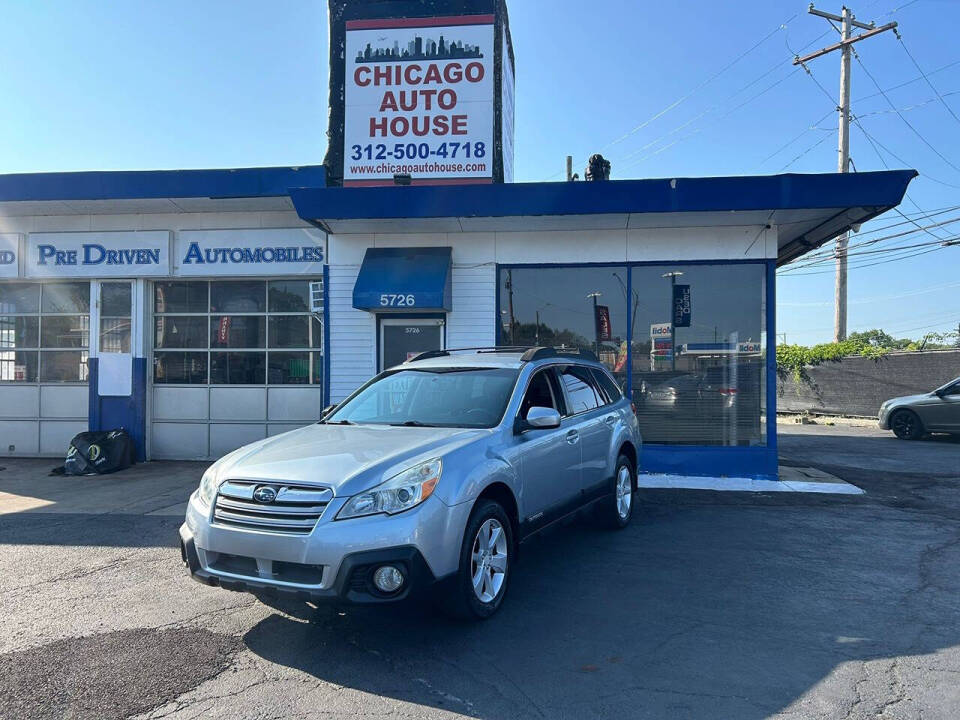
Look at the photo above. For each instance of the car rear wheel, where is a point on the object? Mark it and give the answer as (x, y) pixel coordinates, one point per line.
(906, 425)
(615, 510)
(486, 561)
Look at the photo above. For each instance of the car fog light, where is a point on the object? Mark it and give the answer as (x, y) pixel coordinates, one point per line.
(388, 578)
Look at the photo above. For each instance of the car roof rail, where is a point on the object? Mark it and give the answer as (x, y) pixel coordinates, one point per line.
(542, 353)
(427, 355)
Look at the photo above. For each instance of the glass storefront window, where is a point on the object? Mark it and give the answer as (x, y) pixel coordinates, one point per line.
(295, 368)
(291, 296)
(567, 306)
(237, 331)
(180, 297)
(18, 332)
(18, 366)
(63, 366)
(65, 331)
(180, 368)
(19, 298)
(180, 331)
(245, 296)
(115, 313)
(271, 336)
(66, 298)
(237, 368)
(701, 383)
(39, 322)
(290, 331)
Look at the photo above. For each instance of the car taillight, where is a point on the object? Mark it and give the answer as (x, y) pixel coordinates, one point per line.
(728, 391)
(633, 408)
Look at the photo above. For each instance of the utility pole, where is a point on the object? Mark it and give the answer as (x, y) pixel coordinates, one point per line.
(569, 168)
(510, 289)
(847, 23)
(596, 325)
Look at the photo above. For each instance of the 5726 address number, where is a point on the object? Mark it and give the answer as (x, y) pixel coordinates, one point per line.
(397, 300)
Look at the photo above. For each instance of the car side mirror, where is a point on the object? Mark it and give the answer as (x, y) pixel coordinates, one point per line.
(539, 418)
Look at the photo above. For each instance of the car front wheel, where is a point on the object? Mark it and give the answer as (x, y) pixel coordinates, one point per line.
(486, 561)
(906, 425)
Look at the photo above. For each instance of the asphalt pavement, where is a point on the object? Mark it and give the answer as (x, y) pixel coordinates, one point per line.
(710, 605)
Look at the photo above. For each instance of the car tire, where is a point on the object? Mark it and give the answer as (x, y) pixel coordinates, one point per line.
(906, 425)
(615, 510)
(486, 562)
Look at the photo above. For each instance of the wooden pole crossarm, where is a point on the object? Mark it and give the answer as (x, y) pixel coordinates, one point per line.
(839, 18)
(842, 43)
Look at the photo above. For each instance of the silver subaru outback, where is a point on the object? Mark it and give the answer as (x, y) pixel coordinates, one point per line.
(429, 476)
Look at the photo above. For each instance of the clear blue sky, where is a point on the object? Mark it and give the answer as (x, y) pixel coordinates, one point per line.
(231, 83)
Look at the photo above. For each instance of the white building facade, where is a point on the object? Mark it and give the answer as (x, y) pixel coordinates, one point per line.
(203, 310)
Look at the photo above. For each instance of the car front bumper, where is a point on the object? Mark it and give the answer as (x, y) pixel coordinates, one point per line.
(334, 562)
(883, 418)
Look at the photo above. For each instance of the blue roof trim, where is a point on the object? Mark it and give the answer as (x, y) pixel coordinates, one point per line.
(766, 192)
(405, 279)
(149, 184)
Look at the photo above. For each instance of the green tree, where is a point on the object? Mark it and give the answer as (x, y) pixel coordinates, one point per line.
(879, 339)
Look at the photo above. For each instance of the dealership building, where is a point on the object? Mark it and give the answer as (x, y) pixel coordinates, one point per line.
(177, 304)
(201, 310)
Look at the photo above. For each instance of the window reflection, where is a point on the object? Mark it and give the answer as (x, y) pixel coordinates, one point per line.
(567, 307)
(700, 383)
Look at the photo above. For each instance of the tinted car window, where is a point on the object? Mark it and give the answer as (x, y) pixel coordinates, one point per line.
(539, 394)
(607, 386)
(581, 393)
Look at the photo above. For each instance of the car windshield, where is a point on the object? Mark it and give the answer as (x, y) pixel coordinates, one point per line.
(431, 397)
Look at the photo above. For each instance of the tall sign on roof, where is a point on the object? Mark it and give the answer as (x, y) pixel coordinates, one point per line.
(420, 88)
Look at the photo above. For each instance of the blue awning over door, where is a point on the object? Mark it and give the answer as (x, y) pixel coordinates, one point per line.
(405, 279)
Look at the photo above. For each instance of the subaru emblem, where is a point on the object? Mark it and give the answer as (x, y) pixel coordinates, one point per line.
(264, 494)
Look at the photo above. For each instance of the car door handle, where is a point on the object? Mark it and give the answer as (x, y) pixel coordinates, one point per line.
(610, 419)
(572, 437)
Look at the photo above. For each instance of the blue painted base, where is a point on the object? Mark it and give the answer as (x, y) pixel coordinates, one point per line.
(129, 413)
(716, 461)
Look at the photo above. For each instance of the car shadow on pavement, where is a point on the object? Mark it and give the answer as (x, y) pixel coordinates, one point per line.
(696, 610)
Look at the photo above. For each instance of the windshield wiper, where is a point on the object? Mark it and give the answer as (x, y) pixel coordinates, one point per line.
(337, 422)
(412, 423)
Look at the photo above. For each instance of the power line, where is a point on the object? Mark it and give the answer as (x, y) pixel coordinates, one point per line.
(862, 266)
(782, 26)
(858, 100)
(703, 84)
(926, 79)
(863, 238)
(900, 114)
(871, 300)
(809, 149)
(861, 250)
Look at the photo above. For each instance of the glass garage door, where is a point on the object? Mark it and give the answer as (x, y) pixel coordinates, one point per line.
(233, 361)
(44, 346)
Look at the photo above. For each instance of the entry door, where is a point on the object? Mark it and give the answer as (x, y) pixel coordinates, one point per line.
(113, 323)
(402, 339)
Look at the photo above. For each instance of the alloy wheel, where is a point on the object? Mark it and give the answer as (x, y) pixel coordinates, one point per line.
(624, 491)
(488, 560)
(904, 424)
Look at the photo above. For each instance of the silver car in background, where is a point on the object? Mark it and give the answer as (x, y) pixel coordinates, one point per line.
(428, 476)
(914, 416)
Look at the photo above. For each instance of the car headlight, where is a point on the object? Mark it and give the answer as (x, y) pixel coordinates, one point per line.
(399, 493)
(208, 487)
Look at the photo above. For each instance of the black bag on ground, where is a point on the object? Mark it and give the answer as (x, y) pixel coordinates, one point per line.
(99, 453)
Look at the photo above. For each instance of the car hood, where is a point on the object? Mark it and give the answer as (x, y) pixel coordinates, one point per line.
(347, 458)
(908, 400)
